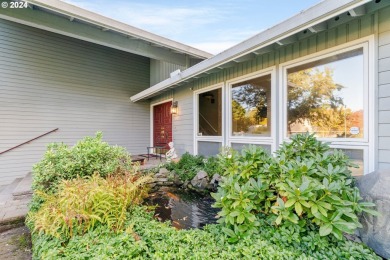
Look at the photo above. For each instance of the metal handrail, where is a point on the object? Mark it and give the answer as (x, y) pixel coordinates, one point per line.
(29, 141)
(208, 123)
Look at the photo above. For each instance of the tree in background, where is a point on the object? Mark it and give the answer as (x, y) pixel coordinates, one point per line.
(311, 96)
(254, 96)
(242, 122)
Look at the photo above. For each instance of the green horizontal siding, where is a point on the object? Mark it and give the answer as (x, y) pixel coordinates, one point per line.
(344, 33)
(161, 70)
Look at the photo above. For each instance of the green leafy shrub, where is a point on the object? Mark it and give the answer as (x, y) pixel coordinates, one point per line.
(189, 165)
(242, 194)
(82, 204)
(306, 183)
(145, 238)
(88, 156)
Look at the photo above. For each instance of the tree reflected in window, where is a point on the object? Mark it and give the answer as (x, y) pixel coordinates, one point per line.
(325, 97)
(251, 107)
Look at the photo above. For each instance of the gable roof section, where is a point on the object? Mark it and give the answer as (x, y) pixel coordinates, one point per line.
(309, 19)
(66, 19)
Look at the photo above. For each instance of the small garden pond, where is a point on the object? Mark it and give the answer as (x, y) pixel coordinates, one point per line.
(185, 209)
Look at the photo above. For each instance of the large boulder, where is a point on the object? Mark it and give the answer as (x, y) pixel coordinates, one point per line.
(375, 187)
(200, 181)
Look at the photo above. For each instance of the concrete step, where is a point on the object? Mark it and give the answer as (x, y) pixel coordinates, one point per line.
(12, 211)
(23, 189)
(6, 193)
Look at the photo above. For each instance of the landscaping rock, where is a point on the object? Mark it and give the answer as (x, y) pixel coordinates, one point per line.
(163, 171)
(200, 175)
(374, 187)
(176, 180)
(200, 181)
(161, 179)
(200, 184)
(216, 179)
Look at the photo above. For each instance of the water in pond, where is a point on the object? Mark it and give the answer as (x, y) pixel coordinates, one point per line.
(184, 209)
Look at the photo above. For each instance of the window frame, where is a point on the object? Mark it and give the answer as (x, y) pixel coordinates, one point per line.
(202, 138)
(266, 140)
(367, 143)
(365, 150)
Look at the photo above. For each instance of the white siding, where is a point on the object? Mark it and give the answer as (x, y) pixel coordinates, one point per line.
(384, 89)
(49, 81)
(183, 121)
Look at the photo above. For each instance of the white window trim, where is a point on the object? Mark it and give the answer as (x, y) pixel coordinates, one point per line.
(266, 140)
(152, 117)
(243, 142)
(196, 137)
(368, 142)
(365, 148)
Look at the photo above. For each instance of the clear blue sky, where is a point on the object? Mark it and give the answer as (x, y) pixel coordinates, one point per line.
(212, 26)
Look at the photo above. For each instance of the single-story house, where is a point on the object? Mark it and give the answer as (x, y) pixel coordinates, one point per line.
(67, 68)
(326, 70)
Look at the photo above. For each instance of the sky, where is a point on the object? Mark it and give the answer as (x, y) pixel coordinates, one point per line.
(211, 26)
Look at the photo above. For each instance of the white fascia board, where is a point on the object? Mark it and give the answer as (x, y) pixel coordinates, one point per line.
(310, 17)
(111, 24)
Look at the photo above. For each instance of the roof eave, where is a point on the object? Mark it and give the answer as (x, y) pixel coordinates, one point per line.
(111, 24)
(308, 18)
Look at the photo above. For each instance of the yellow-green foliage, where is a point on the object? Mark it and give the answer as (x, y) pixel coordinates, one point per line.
(82, 204)
(86, 157)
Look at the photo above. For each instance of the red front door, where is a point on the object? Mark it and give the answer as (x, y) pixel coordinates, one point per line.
(162, 124)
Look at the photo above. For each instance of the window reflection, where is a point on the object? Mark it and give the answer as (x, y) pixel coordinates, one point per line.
(325, 97)
(210, 113)
(251, 107)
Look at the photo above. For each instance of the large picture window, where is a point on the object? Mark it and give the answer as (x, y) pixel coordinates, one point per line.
(251, 107)
(330, 94)
(326, 97)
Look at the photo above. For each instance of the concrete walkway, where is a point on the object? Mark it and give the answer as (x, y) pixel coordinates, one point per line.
(15, 244)
(12, 211)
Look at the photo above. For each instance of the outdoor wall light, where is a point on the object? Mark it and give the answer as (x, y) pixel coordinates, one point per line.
(174, 108)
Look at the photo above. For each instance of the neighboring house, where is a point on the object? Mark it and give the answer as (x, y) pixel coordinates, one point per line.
(328, 66)
(68, 68)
